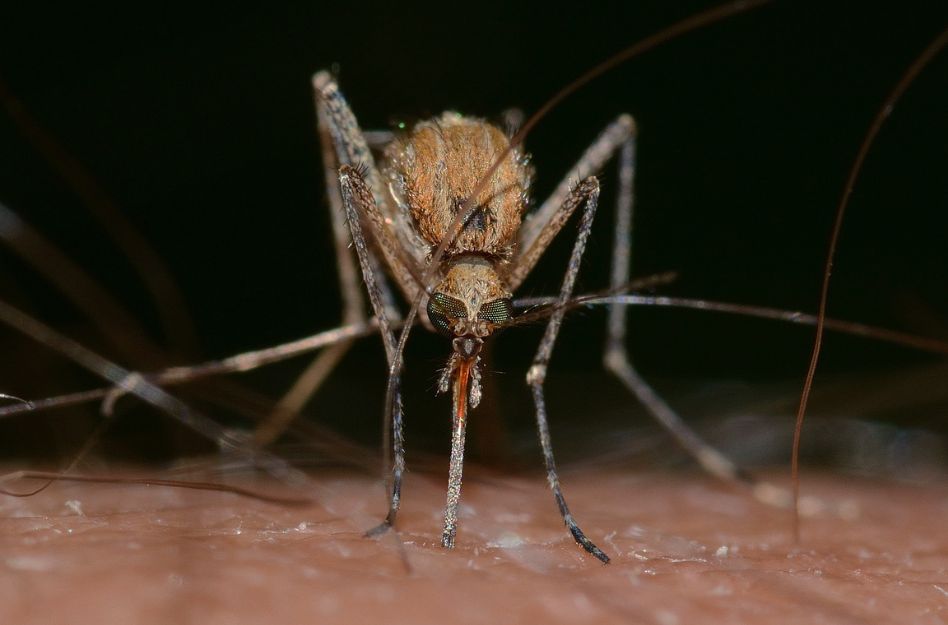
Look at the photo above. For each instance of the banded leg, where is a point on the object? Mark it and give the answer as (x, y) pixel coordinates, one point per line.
(359, 202)
(586, 193)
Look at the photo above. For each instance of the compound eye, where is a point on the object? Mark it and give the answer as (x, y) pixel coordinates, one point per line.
(443, 310)
(498, 312)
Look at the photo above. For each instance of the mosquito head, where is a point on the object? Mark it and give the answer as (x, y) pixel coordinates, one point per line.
(469, 303)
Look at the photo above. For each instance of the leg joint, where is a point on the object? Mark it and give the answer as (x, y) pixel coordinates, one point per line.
(536, 375)
(627, 123)
(614, 359)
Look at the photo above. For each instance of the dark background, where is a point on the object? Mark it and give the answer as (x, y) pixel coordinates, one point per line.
(197, 124)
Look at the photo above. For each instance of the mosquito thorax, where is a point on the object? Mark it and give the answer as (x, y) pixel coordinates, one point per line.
(433, 169)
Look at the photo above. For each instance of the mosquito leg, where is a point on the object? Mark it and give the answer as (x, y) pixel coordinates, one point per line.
(616, 356)
(377, 140)
(303, 389)
(356, 195)
(374, 140)
(353, 304)
(344, 143)
(333, 119)
(586, 193)
(541, 227)
(352, 149)
(135, 384)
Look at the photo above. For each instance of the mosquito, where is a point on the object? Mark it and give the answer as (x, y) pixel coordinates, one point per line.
(444, 211)
(442, 214)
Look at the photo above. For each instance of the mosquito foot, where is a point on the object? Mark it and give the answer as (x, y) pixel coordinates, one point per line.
(588, 545)
(379, 529)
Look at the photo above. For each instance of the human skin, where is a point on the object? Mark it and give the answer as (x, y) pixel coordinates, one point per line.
(685, 549)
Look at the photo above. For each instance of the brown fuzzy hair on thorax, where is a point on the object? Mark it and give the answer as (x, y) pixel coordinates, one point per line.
(436, 167)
